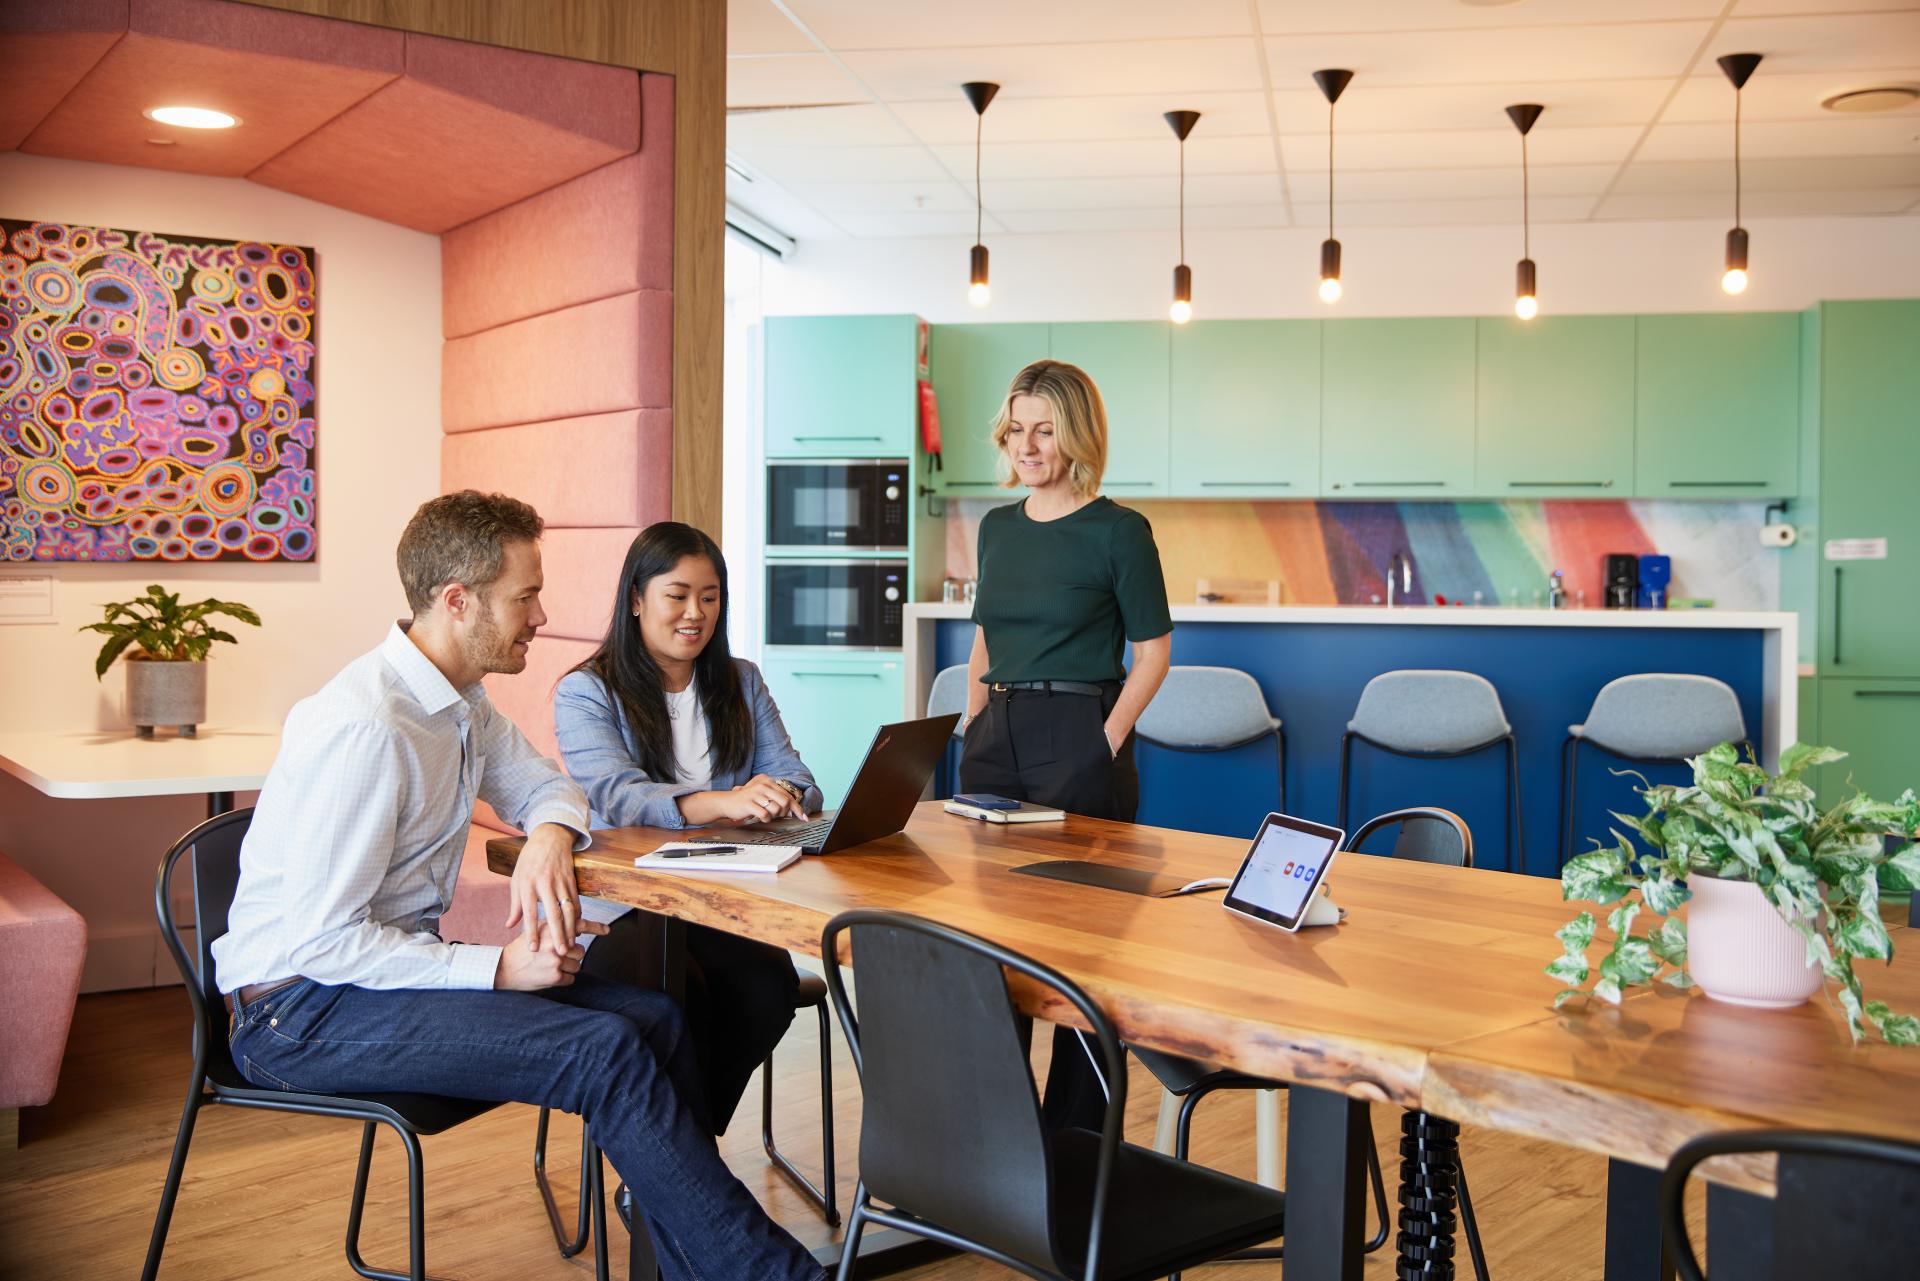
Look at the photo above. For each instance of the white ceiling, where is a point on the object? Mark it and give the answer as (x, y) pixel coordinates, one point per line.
(1638, 120)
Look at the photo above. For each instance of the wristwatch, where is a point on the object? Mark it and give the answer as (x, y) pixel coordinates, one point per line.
(794, 790)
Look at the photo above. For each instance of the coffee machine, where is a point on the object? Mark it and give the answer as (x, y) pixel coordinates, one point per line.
(1622, 580)
(1656, 573)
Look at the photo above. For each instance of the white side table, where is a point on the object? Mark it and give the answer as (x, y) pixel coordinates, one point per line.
(97, 764)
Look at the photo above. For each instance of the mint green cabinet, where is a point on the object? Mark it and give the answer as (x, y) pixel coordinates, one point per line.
(972, 365)
(1718, 406)
(1397, 408)
(1870, 488)
(1128, 362)
(1245, 409)
(831, 702)
(1555, 407)
(1878, 724)
(842, 386)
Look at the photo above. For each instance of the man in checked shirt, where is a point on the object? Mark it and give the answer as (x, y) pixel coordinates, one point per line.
(336, 977)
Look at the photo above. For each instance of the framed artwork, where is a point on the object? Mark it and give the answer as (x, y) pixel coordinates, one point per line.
(156, 397)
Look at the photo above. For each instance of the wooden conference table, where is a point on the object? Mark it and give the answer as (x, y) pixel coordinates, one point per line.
(1429, 996)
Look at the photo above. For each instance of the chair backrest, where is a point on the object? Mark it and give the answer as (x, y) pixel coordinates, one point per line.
(949, 694)
(1429, 710)
(950, 1130)
(1845, 1205)
(1424, 834)
(1664, 715)
(214, 848)
(1206, 708)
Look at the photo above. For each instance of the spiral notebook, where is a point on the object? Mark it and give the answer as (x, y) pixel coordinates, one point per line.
(684, 856)
(1027, 813)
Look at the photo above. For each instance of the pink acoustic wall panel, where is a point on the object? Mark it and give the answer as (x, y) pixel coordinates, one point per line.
(616, 353)
(582, 569)
(45, 49)
(468, 130)
(527, 698)
(604, 233)
(284, 74)
(609, 470)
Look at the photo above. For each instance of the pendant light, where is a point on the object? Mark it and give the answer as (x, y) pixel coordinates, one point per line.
(1526, 304)
(1182, 123)
(1739, 68)
(1332, 83)
(979, 93)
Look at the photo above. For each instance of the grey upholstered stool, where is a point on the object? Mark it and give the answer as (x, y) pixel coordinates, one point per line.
(949, 694)
(1653, 718)
(1212, 709)
(1436, 714)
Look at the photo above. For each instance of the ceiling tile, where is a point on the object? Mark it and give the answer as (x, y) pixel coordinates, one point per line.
(1763, 8)
(867, 125)
(846, 164)
(1136, 218)
(834, 198)
(1280, 17)
(1775, 204)
(45, 52)
(896, 222)
(1052, 193)
(1805, 173)
(1375, 108)
(1486, 148)
(1016, 119)
(1625, 51)
(755, 26)
(1026, 70)
(1310, 189)
(785, 79)
(1784, 95)
(1820, 42)
(1003, 160)
(1836, 135)
(1439, 213)
(934, 24)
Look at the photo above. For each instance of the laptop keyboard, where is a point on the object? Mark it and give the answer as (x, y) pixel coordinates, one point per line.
(812, 834)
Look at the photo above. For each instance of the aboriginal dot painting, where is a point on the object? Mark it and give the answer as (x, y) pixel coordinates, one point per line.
(156, 397)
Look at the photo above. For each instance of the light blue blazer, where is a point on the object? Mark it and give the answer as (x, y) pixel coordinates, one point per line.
(597, 745)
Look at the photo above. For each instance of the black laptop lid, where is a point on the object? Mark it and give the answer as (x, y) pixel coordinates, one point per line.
(890, 780)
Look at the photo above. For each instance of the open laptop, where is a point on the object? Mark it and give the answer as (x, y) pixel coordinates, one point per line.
(887, 787)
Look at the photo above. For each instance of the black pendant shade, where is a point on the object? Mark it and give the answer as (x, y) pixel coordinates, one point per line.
(1739, 68)
(1333, 82)
(1182, 123)
(1526, 301)
(980, 94)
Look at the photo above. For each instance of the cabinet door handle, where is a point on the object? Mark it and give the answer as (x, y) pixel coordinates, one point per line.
(1559, 484)
(850, 676)
(1717, 484)
(958, 484)
(1837, 571)
(1886, 693)
(1398, 484)
(1246, 484)
(1128, 484)
(837, 437)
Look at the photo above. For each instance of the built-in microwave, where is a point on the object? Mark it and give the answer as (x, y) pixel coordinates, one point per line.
(855, 504)
(850, 604)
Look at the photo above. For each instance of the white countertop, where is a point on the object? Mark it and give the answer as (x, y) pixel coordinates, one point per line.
(1443, 616)
(95, 764)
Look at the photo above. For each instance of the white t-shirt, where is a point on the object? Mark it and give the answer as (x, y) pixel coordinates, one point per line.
(692, 747)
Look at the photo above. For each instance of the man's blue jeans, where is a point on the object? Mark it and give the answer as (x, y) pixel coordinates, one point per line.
(616, 1054)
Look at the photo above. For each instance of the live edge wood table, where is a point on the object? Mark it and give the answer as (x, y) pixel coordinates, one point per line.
(1429, 997)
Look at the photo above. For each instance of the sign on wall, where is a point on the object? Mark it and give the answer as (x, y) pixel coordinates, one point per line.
(156, 397)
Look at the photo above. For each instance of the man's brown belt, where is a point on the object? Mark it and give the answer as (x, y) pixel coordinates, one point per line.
(254, 991)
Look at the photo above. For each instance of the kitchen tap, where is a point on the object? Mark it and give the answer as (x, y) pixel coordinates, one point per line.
(1399, 567)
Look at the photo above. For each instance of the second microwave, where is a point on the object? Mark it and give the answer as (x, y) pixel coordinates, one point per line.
(851, 504)
(850, 604)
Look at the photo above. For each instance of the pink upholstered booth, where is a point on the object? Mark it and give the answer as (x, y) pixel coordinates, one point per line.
(43, 944)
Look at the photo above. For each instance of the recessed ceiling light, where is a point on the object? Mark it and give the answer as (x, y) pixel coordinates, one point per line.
(191, 117)
(1872, 98)
(160, 142)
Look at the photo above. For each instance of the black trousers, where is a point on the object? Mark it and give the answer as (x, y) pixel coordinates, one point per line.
(1051, 748)
(739, 997)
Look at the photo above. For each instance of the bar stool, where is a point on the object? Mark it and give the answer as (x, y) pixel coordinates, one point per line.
(1212, 709)
(1655, 718)
(1436, 714)
(949, 695)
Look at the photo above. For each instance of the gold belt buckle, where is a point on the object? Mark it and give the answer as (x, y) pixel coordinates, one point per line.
(999, 688)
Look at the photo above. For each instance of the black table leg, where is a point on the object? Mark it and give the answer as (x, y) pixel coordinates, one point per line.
(218, 803)
(1633, 1225)
(642, 1263)
(1327, 1139)
(1429, 1196)
(1739, 1233)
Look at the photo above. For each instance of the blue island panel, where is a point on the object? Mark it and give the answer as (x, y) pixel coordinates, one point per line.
(1312, 675)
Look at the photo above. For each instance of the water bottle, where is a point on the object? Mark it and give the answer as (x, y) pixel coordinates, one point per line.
(1556, 591)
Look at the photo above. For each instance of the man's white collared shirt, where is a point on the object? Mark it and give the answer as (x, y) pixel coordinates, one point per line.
(357, 838)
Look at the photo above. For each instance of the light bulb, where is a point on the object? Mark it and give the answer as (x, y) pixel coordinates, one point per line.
(1330, 290)
(1734, 282)
(978, 295)
(1526, 306)
(192, 117)
(1181, 311)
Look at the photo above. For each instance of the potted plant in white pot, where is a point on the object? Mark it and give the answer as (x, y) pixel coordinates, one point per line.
(1782, 897)
(167, 665)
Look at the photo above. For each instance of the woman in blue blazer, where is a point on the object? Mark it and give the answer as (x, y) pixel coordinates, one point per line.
(663, 727)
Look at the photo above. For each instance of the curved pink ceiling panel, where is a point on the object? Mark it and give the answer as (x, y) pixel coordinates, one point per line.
(45, 50)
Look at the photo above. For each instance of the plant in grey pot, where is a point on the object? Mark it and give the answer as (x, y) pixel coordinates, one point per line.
(167, 665)
(1782, 897)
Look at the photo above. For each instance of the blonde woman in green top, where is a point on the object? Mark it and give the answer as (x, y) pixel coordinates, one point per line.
(1068, 580)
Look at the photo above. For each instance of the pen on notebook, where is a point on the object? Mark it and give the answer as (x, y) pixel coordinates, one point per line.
(701, 853)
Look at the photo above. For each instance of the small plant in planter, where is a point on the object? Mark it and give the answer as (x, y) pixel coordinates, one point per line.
(1737, 831)
(166, 672)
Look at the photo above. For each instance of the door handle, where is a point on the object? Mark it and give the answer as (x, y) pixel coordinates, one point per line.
(1246, 484)
(1718, 484)
(1398, 484)
(1559, 484)
(1836, 615)
(836, 438)
(851, 676)
(1886, 693)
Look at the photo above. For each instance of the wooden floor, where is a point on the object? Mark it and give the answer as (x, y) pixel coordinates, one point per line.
(265, 1195)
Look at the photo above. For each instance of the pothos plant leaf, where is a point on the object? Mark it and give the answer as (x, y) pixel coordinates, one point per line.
(1822, 872)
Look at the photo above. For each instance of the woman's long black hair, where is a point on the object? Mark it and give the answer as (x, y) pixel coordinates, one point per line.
(628, 671)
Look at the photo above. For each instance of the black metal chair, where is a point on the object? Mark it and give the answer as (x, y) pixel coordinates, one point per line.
(1845, 1205)
(951, 1137)
(215, 850)
(1425, 834)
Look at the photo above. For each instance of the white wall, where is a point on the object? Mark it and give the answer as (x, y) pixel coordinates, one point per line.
(379, 458)
(1440, 271)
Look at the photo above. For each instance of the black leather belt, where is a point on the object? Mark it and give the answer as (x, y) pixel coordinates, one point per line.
(254, 991)
(1053, 687)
